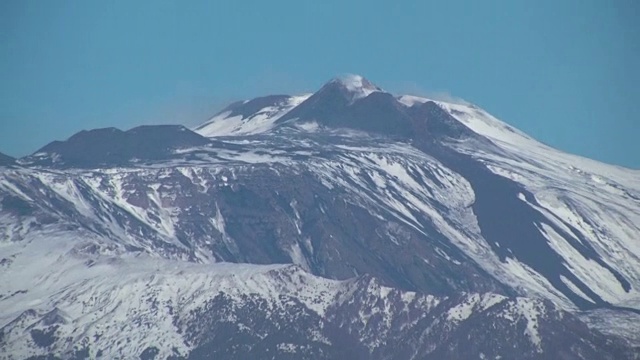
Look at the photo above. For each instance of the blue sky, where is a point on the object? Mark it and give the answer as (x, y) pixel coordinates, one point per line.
(566, 72)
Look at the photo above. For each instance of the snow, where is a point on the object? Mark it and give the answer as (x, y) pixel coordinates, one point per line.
(357, 86)
(128, 300)
(400, 183)
(600, 279)
(575, 289)
(255, 158)
(221, 124)
(295, 253)
(14, 189)
(473, 303)
(164, 213)
(597, 200)
(262, 121)
(461, 312)
(531, 283)
(624, 324)
(530, 310)
(288, 347)
(218, 222)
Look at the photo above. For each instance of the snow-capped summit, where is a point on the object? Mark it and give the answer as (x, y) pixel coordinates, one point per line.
(347, 102)
(261, 114)
(356, 86)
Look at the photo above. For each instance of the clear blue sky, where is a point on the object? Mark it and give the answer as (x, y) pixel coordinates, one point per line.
(565, 71)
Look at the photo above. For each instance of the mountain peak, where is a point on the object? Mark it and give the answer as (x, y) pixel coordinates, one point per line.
(354, 86)
(355, 82)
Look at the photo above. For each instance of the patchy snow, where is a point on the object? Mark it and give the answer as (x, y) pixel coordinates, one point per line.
(473, 303)
(462, 311)
(529, 311)
(295, 253)
(288, 347)
(625, 324)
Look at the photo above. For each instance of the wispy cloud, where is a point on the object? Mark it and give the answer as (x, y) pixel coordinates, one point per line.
(411, 88)
(187, 104)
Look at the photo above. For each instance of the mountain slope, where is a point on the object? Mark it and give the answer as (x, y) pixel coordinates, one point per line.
(348, 183)
(6, 160)
(249, 117)
(113, 147)
(90, 304)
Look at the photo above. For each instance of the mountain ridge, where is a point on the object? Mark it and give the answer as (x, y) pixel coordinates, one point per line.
(6, 160)
(111, 146)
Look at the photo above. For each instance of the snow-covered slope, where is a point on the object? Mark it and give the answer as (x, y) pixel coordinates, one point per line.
(597, 204)
(437, 201)
(236, 120)
(67, 295)
(184, 210)
(65, 286)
